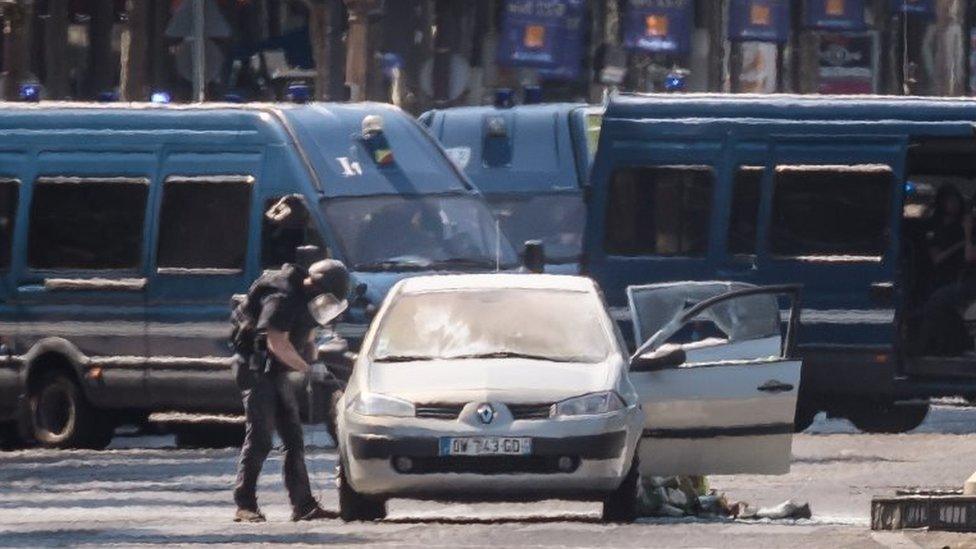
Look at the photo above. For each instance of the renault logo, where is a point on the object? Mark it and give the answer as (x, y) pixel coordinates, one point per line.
(486, 413)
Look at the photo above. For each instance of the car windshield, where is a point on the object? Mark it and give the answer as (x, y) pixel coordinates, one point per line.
(552, 325)
(555, 219)
(395, 233)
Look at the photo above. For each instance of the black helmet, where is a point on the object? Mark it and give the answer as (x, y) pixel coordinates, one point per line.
(331, 277)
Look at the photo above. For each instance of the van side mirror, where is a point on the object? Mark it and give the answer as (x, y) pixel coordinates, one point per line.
(306, 255)
(534, 256)
(664, 358)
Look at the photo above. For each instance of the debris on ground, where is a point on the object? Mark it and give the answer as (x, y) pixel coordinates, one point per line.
(690, 497)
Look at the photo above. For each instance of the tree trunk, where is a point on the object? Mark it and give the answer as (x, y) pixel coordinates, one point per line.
(16, 50)
(134, 80)
(359, 56)
(443, 42)
(101, 61)
(56, 50)
(319, 29)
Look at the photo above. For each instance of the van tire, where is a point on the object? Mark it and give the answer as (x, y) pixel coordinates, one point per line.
(621, 505)
(354, 506)
(888, 418)
(61, 416)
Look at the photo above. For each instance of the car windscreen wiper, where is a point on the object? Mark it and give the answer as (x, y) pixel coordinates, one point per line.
(505, 354)
(394, 265)
(401, 358)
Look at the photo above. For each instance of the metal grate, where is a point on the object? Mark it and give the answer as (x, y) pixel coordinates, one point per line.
(530, 411)
(935, 512)
(438, 411)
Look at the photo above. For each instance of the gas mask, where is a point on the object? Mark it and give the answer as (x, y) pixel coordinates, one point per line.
(326, 307)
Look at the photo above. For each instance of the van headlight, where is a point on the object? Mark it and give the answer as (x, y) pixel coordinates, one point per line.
(376, 404)
(589, 405)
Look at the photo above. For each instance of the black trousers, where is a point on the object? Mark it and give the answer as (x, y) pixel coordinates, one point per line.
(269, 405)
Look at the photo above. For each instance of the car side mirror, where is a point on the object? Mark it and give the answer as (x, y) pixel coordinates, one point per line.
(664, 358)
(534, 256)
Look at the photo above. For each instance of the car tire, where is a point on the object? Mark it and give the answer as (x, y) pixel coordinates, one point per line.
(888, 418)
(621, 505)
(354, 506)
(61, 416)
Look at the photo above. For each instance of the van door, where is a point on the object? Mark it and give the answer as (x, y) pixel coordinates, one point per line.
(729, 407)
(84, 277)
(654, 219)
(205, 221)
(832, 222)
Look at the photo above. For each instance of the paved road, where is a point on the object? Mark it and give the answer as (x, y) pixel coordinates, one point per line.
(144, 493)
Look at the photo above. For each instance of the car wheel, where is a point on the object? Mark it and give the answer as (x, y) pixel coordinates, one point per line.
(887, 418)
(61, 416)
(354, 506)
(621, 504)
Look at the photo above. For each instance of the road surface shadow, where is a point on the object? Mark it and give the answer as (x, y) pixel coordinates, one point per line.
(123, 537)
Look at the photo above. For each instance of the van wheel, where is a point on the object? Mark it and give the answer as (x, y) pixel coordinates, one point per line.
(61, 416)
(354, 506)
(888, 418)
(621, 504)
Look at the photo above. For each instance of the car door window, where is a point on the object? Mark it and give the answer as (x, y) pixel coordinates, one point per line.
(86, 223)
(204, 224)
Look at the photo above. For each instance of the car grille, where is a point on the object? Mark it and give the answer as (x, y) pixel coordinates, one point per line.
(452, 411)
(485, 465)
(438, 411)
(530, 411)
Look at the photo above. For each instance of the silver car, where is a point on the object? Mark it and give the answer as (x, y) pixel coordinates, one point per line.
(520, 387)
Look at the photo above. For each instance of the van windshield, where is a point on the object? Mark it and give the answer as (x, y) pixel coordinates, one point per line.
(395, 233)
(557, 220)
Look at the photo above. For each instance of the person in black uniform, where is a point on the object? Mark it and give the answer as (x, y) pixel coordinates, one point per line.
(273, 326)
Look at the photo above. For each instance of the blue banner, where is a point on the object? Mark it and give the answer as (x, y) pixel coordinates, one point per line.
(916, 7)
(834, 14)
(659, 25)
(543, 34)
(759, 20)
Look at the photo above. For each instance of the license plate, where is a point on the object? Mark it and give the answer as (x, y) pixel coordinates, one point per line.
(485, 446)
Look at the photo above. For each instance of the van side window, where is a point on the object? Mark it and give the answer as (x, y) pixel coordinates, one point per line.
(743, 217)
(659, 211)
(9, 194)
(831, 210)
(203, 223)
(91, 223)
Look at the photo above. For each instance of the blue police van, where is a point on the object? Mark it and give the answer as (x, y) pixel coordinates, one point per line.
(126, 229)
(531, 162)
(834, 193)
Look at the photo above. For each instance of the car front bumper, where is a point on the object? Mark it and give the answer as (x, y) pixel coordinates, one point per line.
(599, 450)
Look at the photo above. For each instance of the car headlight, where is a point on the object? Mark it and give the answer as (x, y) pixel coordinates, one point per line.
(375, 404)
(589, 405)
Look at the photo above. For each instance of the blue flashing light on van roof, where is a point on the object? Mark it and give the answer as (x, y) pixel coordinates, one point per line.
(160, 97)
(504, 98)
(299, 93)
(676, 81)
(30, 93)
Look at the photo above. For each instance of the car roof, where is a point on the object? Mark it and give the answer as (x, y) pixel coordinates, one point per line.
(496, 281)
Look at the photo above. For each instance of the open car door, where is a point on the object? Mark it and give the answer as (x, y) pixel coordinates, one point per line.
(727, 404)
